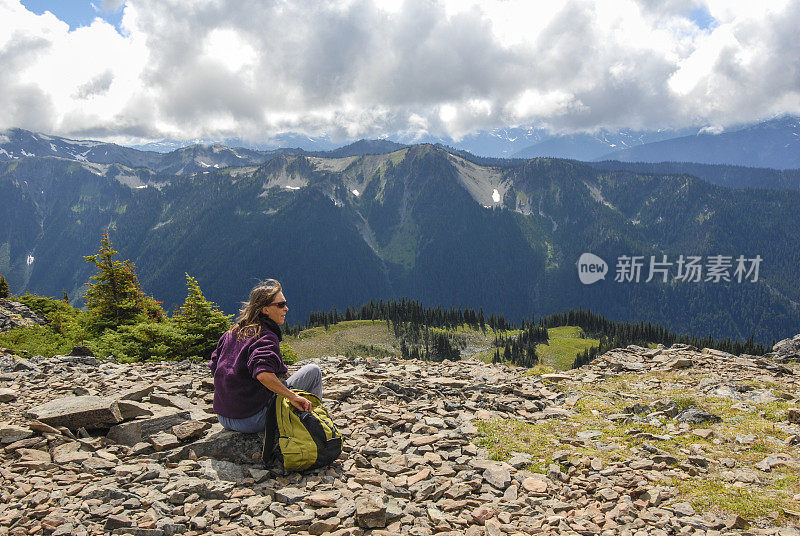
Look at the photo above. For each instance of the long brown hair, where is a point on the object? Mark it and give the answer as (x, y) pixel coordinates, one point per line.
(248, 324)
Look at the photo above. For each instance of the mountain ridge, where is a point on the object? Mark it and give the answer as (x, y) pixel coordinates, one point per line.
(741, 145)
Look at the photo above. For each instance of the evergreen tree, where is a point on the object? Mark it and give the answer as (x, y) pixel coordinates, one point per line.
(201, 320)
(116, 297)
(3, 287)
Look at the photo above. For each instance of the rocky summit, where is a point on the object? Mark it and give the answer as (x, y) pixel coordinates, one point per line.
(642, 441)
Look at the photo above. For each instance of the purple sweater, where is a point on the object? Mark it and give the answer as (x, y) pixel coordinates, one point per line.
(235, 365)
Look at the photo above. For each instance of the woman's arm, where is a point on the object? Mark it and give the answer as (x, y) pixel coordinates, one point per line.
(215, 355)
(271, 382)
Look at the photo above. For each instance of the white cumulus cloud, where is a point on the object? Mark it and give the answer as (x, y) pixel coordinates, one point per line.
(364, 68)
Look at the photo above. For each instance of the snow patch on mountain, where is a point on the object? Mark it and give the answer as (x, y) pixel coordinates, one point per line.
(80, 156)
(83, 143)
(484, 184)
(713, 130)
(280, 177)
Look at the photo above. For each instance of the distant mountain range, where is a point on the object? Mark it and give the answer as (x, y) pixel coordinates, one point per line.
(591, 146)
(425, 222)
(18, 143)
(769, 144)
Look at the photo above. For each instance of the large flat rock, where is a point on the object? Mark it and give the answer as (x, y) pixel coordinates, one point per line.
(140, 429)
(221, 444)
(78, 412)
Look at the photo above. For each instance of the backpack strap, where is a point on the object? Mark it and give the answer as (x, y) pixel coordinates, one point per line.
(270, 450)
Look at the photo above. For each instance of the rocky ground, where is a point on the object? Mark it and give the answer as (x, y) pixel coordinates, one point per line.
(640, 442)
(16, 315)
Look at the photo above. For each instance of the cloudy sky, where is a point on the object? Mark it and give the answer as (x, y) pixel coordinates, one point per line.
(179, 69)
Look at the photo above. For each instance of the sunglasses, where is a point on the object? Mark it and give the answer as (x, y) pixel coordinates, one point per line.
(279, 305)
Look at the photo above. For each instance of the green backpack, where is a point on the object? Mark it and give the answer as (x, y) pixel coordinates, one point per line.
(300, 440)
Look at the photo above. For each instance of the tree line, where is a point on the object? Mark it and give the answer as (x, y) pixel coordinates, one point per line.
(428, 332)
(406, 311)
(614, 334)
(120, 320)
(520, 349)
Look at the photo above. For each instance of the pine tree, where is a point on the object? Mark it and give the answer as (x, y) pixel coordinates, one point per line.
(3, 287)
(116, 297)
(201, 320)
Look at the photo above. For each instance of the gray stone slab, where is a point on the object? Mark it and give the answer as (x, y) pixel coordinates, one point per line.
(75, 412)
(174, 401)
(223, 444)
(78, 360)
(10, 433)
(136, 393)
(140, 429)
(131, 409)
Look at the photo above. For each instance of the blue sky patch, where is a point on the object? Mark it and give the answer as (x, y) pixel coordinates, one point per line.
(703, 18)
(76, 13)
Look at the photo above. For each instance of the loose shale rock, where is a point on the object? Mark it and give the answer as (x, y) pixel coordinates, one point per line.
(410, 464)
(7, 395)
(371, 512)
(78, 412)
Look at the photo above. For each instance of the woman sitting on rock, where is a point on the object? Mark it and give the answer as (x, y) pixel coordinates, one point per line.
(248, 368)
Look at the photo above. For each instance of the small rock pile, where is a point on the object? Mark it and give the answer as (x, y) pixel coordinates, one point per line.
(15, 315)
(96, 447)
(786, 350)
(682, 356)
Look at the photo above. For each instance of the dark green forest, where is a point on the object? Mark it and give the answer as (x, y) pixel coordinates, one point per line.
(722, 175)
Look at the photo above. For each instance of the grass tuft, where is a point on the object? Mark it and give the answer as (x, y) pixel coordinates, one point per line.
(716, 495)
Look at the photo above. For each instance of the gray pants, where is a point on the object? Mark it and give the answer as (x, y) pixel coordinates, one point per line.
(308, 378)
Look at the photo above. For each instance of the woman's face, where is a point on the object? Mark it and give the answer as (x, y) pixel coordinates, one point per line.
(276, 313)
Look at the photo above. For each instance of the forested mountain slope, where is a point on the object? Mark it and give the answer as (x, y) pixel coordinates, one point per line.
(420, 222)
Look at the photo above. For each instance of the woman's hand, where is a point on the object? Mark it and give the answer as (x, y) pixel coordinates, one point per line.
(271, 382)
(302, 404)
